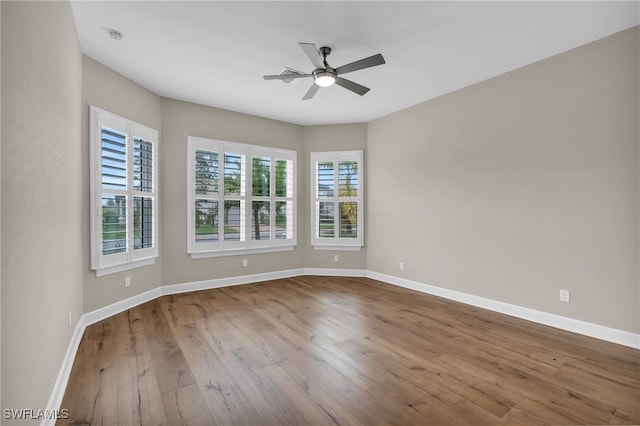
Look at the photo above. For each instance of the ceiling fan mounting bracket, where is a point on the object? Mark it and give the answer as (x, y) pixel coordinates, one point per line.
(325, 51)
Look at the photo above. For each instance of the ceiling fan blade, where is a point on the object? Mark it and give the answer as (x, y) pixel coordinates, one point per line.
(312, 52)
(312, 91)
(354, 87)
(285, 76)
(371, 61)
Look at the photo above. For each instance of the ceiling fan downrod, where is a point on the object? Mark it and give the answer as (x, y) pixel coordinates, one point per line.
(327, 76)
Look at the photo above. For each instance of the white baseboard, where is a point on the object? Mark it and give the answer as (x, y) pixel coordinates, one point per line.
(581, 327)
(601, 332)
(120, 306)
(230, 281)
(60, 385)
(330, 272)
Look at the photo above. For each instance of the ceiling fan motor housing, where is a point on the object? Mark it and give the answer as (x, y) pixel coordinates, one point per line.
(324, 77)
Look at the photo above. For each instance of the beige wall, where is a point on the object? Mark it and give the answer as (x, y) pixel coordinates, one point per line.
(339, 137)
(108, 90)
(183, 119)
(41, 196)
(519, 186)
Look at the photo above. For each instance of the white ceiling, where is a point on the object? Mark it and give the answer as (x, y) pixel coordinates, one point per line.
(215, 53)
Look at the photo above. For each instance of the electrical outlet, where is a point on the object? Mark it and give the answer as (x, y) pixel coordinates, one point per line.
(245, 263)
(402, 266)
(564, 295)
(69, 319)
(127, 281)
(336, 258)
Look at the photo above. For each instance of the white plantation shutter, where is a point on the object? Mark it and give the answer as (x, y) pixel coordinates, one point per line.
(241, 198)
(123, 193)
(234, 194)
(348, 190)
(336, 206)
(143, 190)
(284, 198)
(143, 165)
(261, 177)
(113, 151)
(205, 190)
(113, 174)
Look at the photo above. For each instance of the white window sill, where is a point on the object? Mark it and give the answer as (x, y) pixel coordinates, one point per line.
(238, 252)
(125, 266)
(341, 247)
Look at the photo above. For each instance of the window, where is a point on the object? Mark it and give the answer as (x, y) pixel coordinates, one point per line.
(241, 198)
(336, 200)
(124, 202)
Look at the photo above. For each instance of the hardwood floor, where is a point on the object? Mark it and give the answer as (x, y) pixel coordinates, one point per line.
(347, 351)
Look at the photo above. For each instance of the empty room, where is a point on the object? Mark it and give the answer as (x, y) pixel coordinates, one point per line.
(320, 213)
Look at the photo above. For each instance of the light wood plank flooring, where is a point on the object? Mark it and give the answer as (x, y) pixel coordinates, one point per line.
(346, 351)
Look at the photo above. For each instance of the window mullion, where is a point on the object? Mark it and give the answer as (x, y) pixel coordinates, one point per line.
(336, 201)
(272, 197)
(248, 203)
(220, 152)
(221, 194)
(129, 199)
(245, 194)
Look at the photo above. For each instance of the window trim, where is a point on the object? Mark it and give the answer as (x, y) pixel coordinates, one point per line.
(336, 242)
(248, 246)
(131, 258)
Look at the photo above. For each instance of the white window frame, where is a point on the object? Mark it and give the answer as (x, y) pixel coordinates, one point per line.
(246, 245)
(336, 242)
(104, 264)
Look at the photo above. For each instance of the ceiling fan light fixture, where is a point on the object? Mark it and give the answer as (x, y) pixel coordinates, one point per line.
(324, 78)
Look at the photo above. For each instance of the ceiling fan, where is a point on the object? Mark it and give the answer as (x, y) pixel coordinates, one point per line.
(324, 75)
